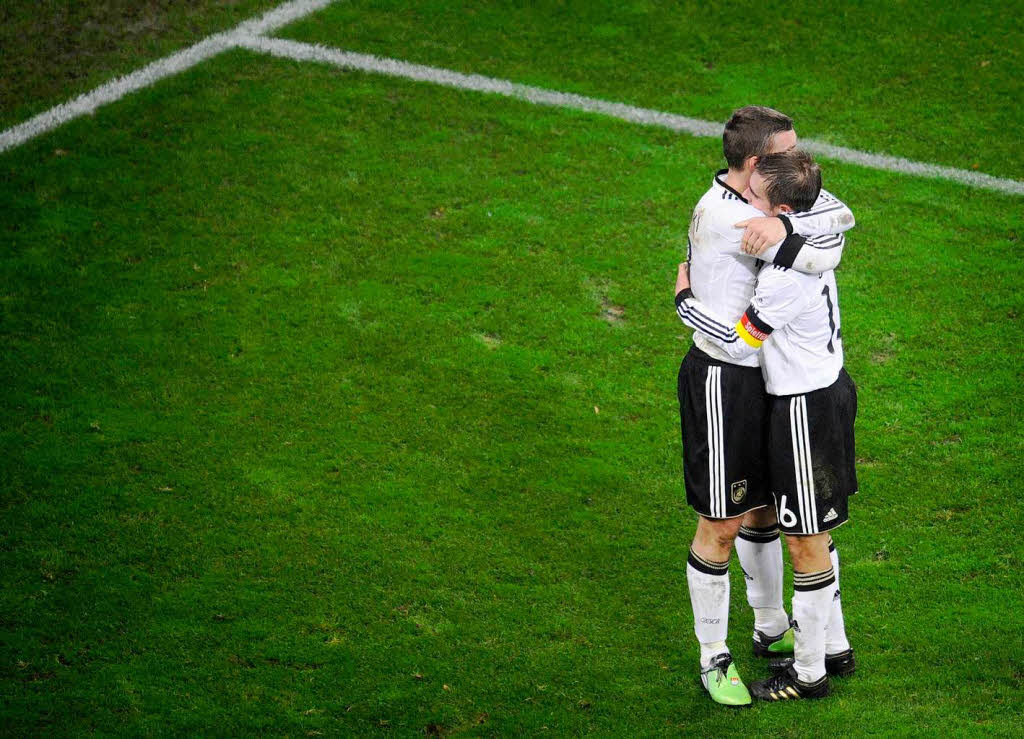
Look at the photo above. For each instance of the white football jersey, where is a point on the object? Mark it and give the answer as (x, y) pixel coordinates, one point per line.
(722, 276)
(794, 319)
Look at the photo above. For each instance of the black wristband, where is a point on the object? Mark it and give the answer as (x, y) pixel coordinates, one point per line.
(683, 295)
(788, 251)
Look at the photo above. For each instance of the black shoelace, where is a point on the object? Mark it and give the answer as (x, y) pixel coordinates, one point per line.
(721, 662)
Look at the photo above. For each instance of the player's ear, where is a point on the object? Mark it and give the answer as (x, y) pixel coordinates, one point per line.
(749, 163)
(785, 209)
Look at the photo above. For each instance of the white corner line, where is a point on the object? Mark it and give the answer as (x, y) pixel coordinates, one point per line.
(250, 35)
(170, 65)
(644, 116)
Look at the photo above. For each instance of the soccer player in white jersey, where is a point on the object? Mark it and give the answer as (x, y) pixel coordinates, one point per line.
(793, 319)
(722, 399)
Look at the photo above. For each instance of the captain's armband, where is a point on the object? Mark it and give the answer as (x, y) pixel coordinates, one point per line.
(752, 328)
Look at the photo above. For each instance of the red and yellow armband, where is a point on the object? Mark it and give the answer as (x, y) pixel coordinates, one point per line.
(752, 329)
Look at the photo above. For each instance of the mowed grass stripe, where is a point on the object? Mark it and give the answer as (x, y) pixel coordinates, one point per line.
(302, 386)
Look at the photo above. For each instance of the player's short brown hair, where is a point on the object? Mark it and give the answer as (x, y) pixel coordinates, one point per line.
(790, 178)
(749, 133)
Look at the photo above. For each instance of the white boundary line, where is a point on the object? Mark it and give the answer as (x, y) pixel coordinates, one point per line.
(250, 35)
(397, 68)
(644, 116)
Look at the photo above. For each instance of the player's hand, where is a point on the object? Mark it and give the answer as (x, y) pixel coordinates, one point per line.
(760, 233)
(682, 278)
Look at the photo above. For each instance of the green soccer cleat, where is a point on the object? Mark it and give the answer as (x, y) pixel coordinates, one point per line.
(774, 646)
(723, 683)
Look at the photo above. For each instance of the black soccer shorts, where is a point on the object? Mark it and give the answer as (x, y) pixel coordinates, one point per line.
(813, 470)
(723, 413)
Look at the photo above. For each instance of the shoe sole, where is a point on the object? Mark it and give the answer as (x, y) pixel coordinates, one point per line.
(819, 696)
(827, 691)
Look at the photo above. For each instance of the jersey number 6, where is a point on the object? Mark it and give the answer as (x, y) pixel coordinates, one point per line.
(786, 516)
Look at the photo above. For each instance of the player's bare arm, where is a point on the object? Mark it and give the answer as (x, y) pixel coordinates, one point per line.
(683, 278)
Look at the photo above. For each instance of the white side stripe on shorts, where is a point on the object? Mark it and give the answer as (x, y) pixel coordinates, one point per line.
(721, 442)
(711, 441)
(811, 498)
(803, 471)
(797, 471)
(716, 453)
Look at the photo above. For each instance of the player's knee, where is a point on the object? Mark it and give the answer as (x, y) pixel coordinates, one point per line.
(808, 553)
(718, 535)
(797, 545)
(724, 540)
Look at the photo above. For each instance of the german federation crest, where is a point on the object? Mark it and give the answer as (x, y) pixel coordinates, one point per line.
(739, 491)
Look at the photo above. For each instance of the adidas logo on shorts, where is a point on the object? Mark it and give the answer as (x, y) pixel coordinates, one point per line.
(831, 515)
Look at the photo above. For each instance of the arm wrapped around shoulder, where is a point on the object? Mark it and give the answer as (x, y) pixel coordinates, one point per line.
(811, 255)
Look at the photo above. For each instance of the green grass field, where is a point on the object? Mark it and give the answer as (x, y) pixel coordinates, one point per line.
(338, 404)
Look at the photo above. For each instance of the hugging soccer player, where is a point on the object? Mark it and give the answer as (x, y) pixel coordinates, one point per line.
(793, 322)
(724, 409)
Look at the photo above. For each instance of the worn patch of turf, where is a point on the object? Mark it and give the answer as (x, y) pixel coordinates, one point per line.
(53, 50)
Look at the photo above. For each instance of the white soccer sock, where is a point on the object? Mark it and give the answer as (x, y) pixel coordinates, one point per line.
(760, 553)
(710, 650)
(835, 632)
(812, 600)
(709, 597)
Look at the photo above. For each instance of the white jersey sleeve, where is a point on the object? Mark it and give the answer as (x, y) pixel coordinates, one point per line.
(778, 299)
(809, 255)
(719, 330)
(829, 215)
(814, 239)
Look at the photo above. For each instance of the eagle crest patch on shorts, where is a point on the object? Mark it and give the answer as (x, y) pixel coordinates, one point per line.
(739, 491)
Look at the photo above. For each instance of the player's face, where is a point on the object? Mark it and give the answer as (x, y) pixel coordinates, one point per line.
(755, 195)
(783, 141)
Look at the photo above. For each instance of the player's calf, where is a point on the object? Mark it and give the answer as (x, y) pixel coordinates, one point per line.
(759, 549)
(813, 587)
